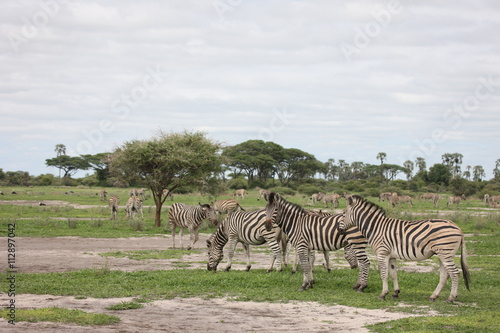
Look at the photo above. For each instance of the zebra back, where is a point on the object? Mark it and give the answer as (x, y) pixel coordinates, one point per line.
(190, 215)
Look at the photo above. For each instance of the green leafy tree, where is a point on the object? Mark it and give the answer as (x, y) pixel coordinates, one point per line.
(100, 164)
(68, 164)
(478, 173)
(382, 157)
(496, 171)
(168, 161)
(296, 165)
(439, 174)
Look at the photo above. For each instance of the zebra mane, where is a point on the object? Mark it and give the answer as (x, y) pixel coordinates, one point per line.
(275, 196)
(372, 207)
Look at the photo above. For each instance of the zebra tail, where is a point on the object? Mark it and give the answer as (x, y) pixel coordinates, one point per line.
(241, 208)
(463, 262)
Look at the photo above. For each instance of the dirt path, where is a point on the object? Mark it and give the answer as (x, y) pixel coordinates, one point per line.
(188, 315)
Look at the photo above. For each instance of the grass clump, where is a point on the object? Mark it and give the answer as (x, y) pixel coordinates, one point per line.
(61, 315)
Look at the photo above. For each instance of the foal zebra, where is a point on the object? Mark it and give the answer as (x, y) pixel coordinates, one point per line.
(308, 232)
(114, 203)
(393, 239)
(186, 216)
(134, 205)
(246, 228)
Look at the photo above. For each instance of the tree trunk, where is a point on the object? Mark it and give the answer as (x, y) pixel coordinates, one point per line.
(158, 204)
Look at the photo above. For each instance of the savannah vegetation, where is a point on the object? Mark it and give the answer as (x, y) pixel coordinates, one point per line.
(291, 172)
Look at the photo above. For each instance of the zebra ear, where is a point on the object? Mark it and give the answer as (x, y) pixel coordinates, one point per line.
(349, 200)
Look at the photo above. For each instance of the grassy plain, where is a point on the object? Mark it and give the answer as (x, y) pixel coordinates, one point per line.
(474, 311)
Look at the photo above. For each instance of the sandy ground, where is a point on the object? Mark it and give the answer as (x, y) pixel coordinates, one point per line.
(187, 315)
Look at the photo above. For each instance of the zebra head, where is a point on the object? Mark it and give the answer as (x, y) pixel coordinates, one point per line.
(209, 213)
(271, 209)
(347, 220)
(215, 254)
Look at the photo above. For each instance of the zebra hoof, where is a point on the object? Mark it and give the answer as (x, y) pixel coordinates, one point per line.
(382, 298)
(227, 269)
(248, 268)
(189, 248)
(432, 299)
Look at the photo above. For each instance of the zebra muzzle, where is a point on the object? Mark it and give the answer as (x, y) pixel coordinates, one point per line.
(269, 224)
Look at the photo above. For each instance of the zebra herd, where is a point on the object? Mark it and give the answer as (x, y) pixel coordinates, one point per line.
(363, 224)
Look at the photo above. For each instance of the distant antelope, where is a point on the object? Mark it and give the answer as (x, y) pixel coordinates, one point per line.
(114, 203)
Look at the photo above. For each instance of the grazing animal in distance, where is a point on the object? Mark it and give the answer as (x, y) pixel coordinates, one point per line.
(114, 203)
(240, 193)
(134, 205)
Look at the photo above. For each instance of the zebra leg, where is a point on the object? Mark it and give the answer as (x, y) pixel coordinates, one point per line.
(303, 254)
(172, 228)
(383, 262)
(232, 242)
(312, 259)
(327, 261)
(246, 247)
(394, 277)
(181, 233)
(295, 262)
(193, 236)
(364, 268)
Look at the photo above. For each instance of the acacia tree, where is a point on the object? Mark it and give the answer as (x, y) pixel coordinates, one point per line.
(167, 162)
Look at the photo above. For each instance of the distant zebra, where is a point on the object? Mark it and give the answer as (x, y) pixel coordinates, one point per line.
(133, 206)
(317, 197)
(384, 196)
(263, 194)
(494, 200)
(138, 192)
(393, 239)
(114, 203)
(486, 199)
(331, 198)
(190, 217)
(240, 193)
(308, 232)
(247, 228)
(102, 194)
(430, 196)
(226, 206)
(455, 200)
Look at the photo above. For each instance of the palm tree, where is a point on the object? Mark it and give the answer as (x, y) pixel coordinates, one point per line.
(60, 150)
(382, 157)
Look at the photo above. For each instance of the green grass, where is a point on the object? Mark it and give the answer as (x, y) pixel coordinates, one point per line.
(55, 314)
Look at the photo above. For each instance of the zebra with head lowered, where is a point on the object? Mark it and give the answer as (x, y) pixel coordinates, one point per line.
(190, 217)
(226, 206)
(308, 232)
(247, 228)
(393, 239)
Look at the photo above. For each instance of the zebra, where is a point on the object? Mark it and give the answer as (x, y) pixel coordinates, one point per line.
(240, 193)
(395, 199)
(486, 199)
(102, 194)
(384, 196)
(393, 239)
(248, 228)
(455, 200)
(308, 232)
(138, 192)
(134, 205)
(114, 203)
(333, 198)
(494, 200)
(317, 197)
(187, 216)
(430, 196)
(226, 206)
(263, 194)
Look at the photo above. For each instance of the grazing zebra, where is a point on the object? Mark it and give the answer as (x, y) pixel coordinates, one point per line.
(240, 193)
(138, 192)
(114, 203)
(494, 200)
(263, 194)
(486, 199)
(430, 196)
(393, 239)
(455, 200)
(187, 216)
(102, 194)
(333, 198)
(317, 197)
(226, 206)
(247, 228)
(307, 232)
(134, 205)
(385, 196)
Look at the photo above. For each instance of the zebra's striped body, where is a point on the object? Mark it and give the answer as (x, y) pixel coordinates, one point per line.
(226, 206)
(102, 194)
(455, 200)
(114, 203)
(247, 228)
(190, 217)
(430, 196)
(393, 239)
(306, 232)
(134, 205)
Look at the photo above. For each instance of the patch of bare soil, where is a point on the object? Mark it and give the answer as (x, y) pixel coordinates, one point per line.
(188, 315)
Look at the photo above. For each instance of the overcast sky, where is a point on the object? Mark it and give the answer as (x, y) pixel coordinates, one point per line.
(337, 79)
